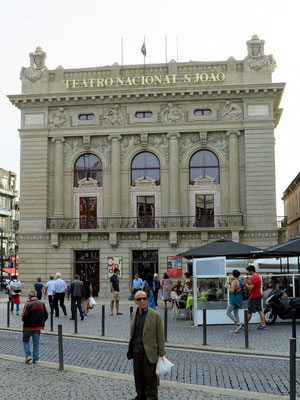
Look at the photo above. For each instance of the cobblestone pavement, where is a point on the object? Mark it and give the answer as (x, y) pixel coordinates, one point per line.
(252, 374)
(274, 340)
(54, 384)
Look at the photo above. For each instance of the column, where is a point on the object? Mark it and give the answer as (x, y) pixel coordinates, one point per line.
(234, 187)
(115, 176)
(174, 193)
(58, 210)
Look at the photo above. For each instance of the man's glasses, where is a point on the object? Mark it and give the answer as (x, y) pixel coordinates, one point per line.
(141, 298)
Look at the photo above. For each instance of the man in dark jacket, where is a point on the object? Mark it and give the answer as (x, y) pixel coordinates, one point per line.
(34, 316)
(77, 292)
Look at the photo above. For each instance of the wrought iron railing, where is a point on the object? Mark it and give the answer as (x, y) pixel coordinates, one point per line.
(218, 221)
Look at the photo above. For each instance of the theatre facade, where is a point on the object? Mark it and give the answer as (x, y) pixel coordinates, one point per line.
(129, 165)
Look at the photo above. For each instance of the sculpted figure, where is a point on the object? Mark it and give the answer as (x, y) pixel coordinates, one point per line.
(172, 114)
(37, 66)
(113, 116)
(232, 111)
(256, 59)
(60, 118)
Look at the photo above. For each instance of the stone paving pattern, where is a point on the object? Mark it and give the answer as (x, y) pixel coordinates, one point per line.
(181, 331)
(253, 374)
(54, 384)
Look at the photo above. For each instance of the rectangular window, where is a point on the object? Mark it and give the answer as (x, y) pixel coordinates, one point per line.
(204, 210)
(145, 212)
(88, 212)
(5, 182)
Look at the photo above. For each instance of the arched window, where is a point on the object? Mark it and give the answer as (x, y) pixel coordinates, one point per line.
(204, 163)
(88, 166)
(145, 165)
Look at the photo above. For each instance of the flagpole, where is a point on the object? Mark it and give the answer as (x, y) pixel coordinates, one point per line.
(145, 56)
(177, 47)
(122, 52)
(166, 45)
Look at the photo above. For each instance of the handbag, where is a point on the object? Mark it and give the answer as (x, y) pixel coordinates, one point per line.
(163, 366)
(91, 303)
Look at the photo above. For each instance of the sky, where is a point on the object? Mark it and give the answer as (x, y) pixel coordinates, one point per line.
(77, 34)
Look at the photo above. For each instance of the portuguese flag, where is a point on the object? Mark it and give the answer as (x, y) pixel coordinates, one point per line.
(143, 50)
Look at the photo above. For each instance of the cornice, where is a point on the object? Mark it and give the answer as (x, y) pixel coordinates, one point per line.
(121, 94)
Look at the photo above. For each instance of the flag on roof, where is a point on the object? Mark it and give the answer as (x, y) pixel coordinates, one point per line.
(143, 49)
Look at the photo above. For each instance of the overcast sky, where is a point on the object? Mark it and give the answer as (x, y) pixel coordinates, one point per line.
(88, 33)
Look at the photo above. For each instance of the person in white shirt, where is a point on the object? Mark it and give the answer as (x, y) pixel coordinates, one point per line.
(58, 294)
(14, 294)
(50, 286)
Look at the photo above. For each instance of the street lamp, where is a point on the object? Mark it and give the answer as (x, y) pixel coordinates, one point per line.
(1, 258)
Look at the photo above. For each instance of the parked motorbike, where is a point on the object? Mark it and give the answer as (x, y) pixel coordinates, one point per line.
(275, 307)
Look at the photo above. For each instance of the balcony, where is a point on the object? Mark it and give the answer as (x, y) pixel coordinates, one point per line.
(107, 223)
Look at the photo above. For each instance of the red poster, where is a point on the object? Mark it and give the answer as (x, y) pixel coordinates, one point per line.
(174, 267)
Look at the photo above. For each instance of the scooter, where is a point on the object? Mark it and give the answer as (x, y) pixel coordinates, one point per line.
(275, 307)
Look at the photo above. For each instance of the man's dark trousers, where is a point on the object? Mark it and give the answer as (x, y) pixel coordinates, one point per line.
(74, 300)
(145, 377)
(59, 297)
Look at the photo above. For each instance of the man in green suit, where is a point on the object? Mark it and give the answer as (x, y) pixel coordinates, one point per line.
(146, 344)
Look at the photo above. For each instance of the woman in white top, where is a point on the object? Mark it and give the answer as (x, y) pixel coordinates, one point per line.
(14, 294)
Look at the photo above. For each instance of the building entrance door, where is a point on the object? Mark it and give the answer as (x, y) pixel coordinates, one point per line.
(87, 262)
(143, 262)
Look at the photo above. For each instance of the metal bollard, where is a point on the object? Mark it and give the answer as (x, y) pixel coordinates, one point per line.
(166, 323)
(75, 319)
(51, 316)
(293, 369)
(60, 348)
(293, 323)
(103, 319)
(8, 314)
(131, 310)
(246, 329)
(204, 328)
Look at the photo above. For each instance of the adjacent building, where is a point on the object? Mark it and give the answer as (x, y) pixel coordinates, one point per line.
(291, 200)
(127, 165)
(8, 215)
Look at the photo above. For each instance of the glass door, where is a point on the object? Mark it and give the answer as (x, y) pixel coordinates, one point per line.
(204, 210)
(145, 212)
(87, 262)
(88, 212)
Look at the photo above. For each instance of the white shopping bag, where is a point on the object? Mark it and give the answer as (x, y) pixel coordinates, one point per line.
(163, 366)
(92, 303)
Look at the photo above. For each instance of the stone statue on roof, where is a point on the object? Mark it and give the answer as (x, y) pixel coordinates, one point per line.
(256, 59)
(37, 66)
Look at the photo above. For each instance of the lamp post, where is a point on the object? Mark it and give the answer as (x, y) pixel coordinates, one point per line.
(1, 258)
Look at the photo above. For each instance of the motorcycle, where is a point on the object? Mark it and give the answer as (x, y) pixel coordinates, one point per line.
(275, 307)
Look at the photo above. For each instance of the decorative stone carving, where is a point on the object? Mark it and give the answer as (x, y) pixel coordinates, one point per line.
(71, 145)
(186, 141)
(256, 59)
(113, 116)
(104, 144)
(219, 140)
(128, 142)
(37, 66)
(232, 112)
(172, 114)
(59, 118)
(161, 142)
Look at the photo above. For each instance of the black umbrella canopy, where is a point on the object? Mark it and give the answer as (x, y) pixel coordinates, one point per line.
(223, 248)
(289, 248)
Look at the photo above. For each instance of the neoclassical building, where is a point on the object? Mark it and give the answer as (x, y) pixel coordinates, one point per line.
(127, 165)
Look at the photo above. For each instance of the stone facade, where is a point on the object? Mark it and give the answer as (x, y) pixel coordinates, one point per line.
(173, 111)
(291, 200)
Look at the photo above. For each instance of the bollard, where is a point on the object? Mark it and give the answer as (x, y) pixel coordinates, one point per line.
(60, 348)
(293, 369)
(293, 323)
(166, 323)
(75, 319)
(204, 328)
(103, 319)
(131, 310)
(51, 316)
(246, 329)
(8, 314)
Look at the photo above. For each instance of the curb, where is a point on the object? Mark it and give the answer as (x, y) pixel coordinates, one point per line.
(163, 383)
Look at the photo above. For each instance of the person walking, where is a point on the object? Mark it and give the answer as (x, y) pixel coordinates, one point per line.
(166, 285)
(38, 286)
(115, 291)
(88, 291)
(149, 287)
(76, 290)
(255, 300)
(137, 284)
(50, 287)
(157, 287)
(34, 316)
(58, 294)
(145, 346)
(235, 288)
(14, 294)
